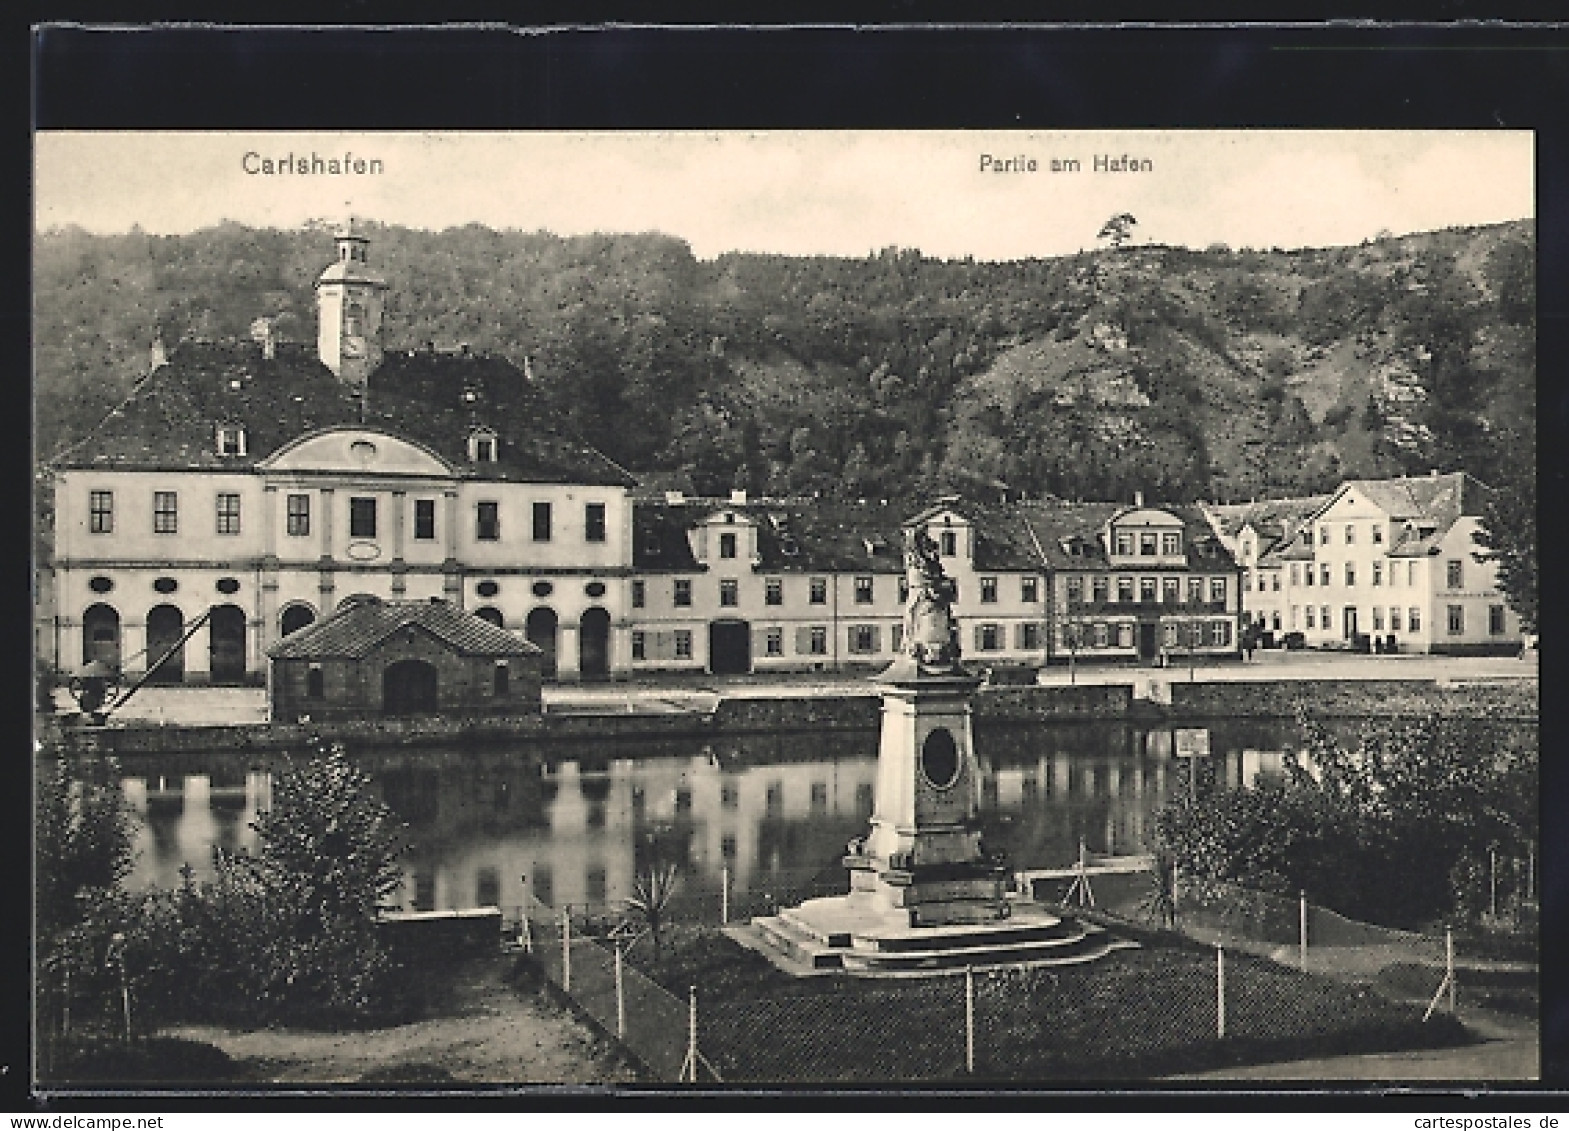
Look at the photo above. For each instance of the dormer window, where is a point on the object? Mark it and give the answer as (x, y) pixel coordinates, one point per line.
(230, 440)
(482, 446)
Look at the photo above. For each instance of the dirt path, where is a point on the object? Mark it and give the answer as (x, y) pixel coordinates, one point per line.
(489, 1033)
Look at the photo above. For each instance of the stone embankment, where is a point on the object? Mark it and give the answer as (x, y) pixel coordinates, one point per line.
(1148, 700)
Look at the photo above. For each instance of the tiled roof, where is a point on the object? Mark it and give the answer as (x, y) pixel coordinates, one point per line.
(356, 629)
(1270, 517)
(1061, 527)
(170, 421)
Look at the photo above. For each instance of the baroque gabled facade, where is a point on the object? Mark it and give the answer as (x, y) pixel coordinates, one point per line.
(245, 490)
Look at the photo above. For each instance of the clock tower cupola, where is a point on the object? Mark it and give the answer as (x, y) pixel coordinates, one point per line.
(350, 298)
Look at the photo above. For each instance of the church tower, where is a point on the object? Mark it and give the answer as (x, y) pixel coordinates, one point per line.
(350, 298)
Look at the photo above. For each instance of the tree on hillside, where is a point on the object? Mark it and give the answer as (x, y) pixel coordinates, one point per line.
(1508, 531)
(1118, 230)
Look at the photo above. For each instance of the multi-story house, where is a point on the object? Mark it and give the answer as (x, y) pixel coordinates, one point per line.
(243, 490)
(1134, 584)
(1256, 534)
(1395, 561)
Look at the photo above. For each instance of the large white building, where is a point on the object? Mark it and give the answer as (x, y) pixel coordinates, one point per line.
(1392, 560)
(245, 489)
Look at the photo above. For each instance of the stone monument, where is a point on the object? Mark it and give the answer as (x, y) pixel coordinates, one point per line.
(924, 853)
(924, 893)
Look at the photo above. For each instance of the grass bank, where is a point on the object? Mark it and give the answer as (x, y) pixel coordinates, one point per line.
(1133, 1015)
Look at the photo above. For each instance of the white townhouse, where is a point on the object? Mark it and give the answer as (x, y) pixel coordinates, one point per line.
(1396, 561)
(1256, 533)
(246, 489)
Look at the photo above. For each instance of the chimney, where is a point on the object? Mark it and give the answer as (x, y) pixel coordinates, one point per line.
(1432, 473)
(160, 357)
(738, 497)
(1138, 498)
(263, 333)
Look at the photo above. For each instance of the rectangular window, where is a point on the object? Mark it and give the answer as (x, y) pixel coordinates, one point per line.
(819, 642)
(1351, 534)
(1323, 574)
(950, 544)
(989, 636)
(1220, 633)
(1075, 590)
(1275, 581)
(228, 513)
(1296, 617)
(1101, 587)
(1148, 541)
(1454, 574)
(593, 522)
(1351, 575)
(727, 545)
(542, 522)
(1394, 618)
(863, 590)
(683, 644)
(1170, 545)
(1125, 543)
(819, 591)
(100, 512)
(1378, 619)
(1323, 615)
(1029, 636)
(1308, 571)
(1414, 619)
(1170, 590)
(1169, 634)
(1378, 574)
(1217, 590)
(1195, 590)
(487, 521)
(362, 518)
(988, 590)
(639, 645)
(773, 591)
(683, 592)
(424, 520)
(1147, 590)
(1102, 635)
(166, 512)
(501, 680)
(1378, 534)
(1323, 535)
(729, 592)
(896, 638)
(639, 594)
(904, 589)
(1030, 589)
(863, 638)
(1456, 620)
(1311, 619)
(1495, 620)
(1411, 574)
(1275, 620)
(297, 515)
(773, 642)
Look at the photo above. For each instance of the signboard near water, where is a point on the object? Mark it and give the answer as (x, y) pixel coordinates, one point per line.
(1192, 742)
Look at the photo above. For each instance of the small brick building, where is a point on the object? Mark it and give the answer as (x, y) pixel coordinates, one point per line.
(377, 658)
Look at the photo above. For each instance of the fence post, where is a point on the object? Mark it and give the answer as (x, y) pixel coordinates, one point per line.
(1302, 928)
(1220, 991)
(1492, 882)
(566, 948)
(1449, 965)
(724, 895)
(969, 1020)
(689, 1067)
(65, 1005)
(621, 1004)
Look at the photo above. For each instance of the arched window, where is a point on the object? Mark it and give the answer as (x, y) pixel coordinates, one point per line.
(490, 613)
(294, 618)
(502, 679)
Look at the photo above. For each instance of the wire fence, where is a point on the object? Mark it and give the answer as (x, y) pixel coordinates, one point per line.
(1160, 1008)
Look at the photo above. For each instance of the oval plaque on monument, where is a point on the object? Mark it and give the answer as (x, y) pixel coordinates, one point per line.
(940, 759)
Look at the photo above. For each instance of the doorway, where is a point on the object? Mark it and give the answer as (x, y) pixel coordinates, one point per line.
(1351, 622)
(101, 635)
(226, 644)
(540, 629)
(165, 627)
(594, 644)
(729, 647)
(409, 687)
(1148, 633)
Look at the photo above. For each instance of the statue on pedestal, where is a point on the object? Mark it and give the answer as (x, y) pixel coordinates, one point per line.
(931, 636)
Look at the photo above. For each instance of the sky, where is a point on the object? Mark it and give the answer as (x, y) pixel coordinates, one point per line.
(802, 193)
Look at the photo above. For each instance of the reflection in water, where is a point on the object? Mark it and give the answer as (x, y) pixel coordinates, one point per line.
(488, 823)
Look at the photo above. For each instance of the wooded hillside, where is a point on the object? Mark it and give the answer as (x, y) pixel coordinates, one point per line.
(1214, 374)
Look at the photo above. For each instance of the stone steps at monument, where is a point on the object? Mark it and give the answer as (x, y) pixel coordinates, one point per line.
(1084, 945)
(797, 944)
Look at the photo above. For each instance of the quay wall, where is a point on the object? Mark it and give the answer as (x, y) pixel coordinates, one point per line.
(1177, 699)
